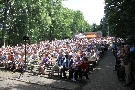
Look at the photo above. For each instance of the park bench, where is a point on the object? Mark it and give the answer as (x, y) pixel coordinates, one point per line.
(93, 61)
(53, 62)
(33, 66)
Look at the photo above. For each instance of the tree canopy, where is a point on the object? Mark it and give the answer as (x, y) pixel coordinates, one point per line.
(120, 15)
(39, 19)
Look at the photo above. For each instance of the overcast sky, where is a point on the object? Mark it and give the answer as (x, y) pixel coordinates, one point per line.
(93, 10)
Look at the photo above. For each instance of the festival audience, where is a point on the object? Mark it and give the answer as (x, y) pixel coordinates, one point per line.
(124, 61)
(69, 51)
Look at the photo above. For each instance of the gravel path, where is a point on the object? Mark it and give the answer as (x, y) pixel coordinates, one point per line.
(7, 84)
(104, 78)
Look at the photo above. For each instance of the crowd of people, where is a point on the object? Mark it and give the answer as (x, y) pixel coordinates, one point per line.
(125, 63)
(72, 55)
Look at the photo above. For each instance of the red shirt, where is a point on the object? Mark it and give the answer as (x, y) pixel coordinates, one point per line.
(85, 65)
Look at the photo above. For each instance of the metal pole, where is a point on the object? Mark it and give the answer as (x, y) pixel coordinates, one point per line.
(24, 67)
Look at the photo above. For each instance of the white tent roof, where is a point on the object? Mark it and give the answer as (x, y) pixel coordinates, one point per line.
(80, 35)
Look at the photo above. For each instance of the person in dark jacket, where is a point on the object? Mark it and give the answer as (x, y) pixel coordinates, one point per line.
(127, 60)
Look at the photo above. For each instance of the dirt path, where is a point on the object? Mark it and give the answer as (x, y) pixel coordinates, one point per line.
(104, 78)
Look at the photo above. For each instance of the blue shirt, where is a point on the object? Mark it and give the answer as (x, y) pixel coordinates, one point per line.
(60, 61)
(67, 62)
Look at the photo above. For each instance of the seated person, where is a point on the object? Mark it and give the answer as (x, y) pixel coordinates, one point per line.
(67, 65)
(59, 64)
(75, 68)
(12, 65)
(4, 60)
(84, 68)
(44, 63)
(18, 65)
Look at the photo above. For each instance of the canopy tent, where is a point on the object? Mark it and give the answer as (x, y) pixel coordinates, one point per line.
(80, 35)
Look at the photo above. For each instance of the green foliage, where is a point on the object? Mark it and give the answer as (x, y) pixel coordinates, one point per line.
(104, 26)
(121, 17)
(39, 19)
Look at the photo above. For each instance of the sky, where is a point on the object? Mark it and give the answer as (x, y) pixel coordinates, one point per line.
(93, 10)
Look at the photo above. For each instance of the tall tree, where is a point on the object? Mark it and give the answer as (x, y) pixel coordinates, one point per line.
(40, 20)
(104, 27)
(120, 16)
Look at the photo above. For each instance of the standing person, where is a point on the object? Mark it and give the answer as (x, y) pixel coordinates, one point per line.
(127, 60)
